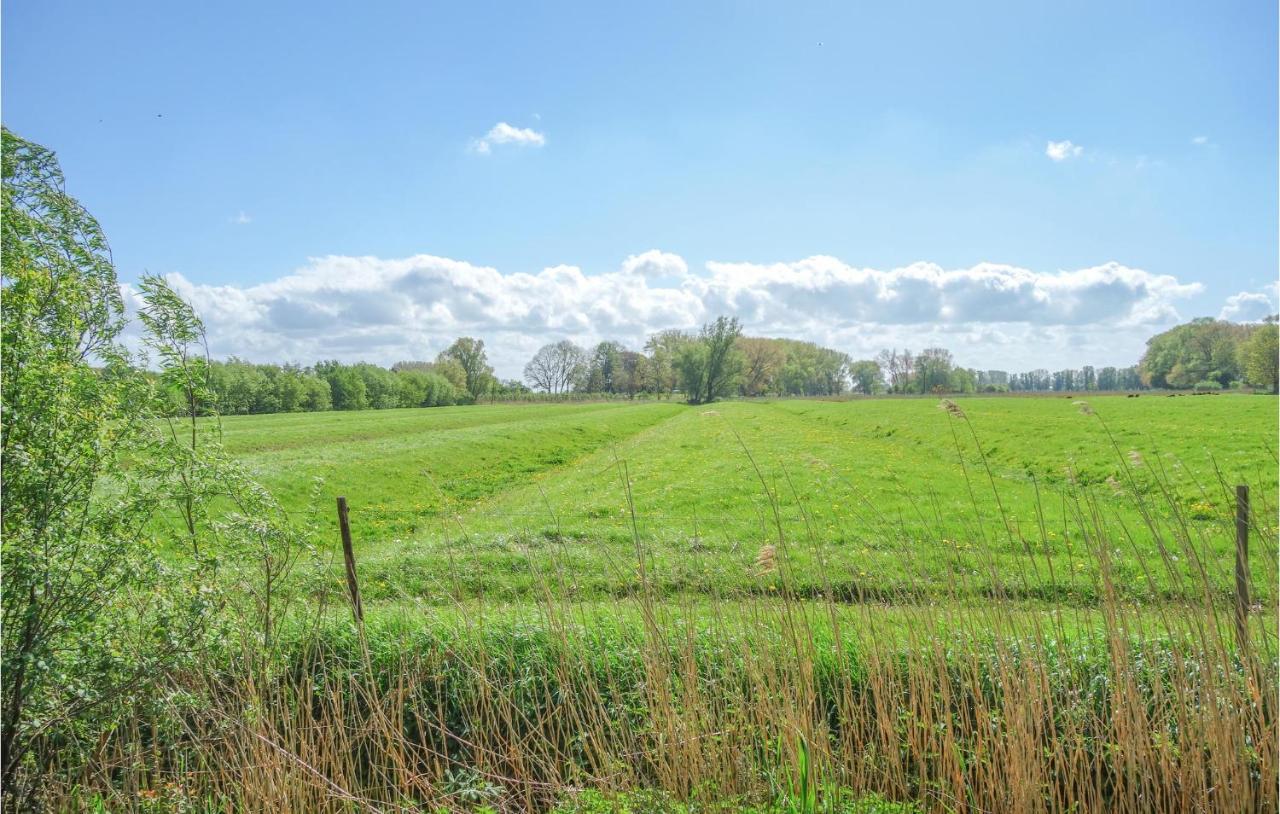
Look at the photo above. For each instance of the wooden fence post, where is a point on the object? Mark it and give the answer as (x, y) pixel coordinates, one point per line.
(348, 554)
(1242, 566)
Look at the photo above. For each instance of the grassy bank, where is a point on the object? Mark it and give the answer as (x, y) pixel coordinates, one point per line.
(783, 705)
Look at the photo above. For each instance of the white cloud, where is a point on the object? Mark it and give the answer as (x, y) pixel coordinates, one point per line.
(1248, 306)
(654, 263)
(241, 218)
(1200, 141)
(503, 133)
(825, 288)
(383, 310)
(1062, 150)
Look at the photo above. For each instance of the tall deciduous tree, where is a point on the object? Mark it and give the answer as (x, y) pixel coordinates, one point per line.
(555, 367)
(762, 362)
(867, 376)
(711, 366)
(633, 373)
(899, 367)
(933, 370)
(604, 368)
(469, 353)
(663, 348)
(1258, 356)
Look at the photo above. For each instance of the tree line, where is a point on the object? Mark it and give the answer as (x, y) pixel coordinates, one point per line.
(719, 361)
(460, 374)
(1211, 354)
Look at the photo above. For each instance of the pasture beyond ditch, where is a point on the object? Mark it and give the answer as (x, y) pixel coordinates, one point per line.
(865, 498)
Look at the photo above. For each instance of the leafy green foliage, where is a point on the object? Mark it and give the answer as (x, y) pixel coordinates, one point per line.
(710, 366)
(99, 460)
(1203, 349)
(867, 377)
(470, 355)
(87, 617)
(1259, 356)
(242, 387)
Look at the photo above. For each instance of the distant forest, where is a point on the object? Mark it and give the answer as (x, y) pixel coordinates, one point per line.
(720, 362)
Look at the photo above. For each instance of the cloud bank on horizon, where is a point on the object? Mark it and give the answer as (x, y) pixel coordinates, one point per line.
(989, 315)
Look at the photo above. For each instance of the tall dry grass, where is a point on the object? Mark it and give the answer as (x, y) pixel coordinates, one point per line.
(1124, 705)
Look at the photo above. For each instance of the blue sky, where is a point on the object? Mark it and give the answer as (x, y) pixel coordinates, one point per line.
(230, 144)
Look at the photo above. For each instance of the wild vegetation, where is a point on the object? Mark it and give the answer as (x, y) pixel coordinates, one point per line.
(787, 606)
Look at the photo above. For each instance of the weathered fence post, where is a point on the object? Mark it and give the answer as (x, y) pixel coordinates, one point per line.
(1242, 566)
(348, 554)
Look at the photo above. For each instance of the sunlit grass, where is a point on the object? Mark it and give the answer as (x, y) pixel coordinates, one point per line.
(885, 494)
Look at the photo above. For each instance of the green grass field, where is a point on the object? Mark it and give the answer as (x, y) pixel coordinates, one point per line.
(873, 605)
(861, 498)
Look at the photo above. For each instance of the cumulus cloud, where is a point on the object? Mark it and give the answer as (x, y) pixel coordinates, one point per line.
(1200, 141)
(654, 263)
(503, 133)
(241, 218)
(383, 310)
(1062, 150)
(1248, 306)
(824, 288)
